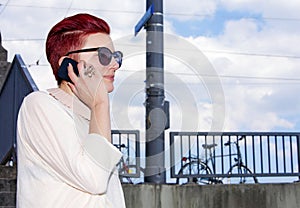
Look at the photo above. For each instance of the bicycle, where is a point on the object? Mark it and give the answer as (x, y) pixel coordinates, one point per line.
(237, 173)
(129, 172)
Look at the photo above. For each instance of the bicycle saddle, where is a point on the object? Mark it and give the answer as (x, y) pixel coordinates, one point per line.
(209, 146)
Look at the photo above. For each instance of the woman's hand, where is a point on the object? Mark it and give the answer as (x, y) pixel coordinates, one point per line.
(89, 86)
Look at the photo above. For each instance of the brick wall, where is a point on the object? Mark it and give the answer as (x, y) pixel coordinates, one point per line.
(4, 65)
(8, 183)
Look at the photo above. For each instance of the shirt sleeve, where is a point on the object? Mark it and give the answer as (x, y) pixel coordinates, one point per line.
(50, 134)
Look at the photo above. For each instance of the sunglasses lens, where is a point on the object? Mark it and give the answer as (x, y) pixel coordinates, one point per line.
(105, 56)
(118, 57)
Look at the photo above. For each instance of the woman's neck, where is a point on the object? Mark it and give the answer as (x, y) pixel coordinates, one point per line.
(65, 87)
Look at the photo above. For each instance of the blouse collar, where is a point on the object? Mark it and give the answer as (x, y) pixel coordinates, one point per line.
(71, 102)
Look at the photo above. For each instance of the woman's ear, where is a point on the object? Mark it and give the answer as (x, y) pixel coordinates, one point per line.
(61, 59)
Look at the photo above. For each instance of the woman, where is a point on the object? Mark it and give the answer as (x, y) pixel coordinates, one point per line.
(65, 155)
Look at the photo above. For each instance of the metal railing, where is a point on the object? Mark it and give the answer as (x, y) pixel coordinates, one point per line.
(128, 142)
(215, 155)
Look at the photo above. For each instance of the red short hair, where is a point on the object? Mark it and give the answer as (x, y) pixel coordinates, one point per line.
(69, 34)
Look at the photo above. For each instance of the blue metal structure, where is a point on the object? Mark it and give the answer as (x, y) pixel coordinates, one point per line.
(143, 21)
(17, 85)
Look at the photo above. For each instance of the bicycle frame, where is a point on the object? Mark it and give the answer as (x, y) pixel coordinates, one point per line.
(208, 166)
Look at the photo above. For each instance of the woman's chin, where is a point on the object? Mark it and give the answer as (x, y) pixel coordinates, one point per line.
(110, 88)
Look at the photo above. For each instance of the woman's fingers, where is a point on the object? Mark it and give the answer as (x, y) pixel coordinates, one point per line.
(72, 74)
(81, 66)
(73, 88)
(89, 86)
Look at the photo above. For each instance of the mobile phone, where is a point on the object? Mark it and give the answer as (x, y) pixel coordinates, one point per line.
(63, 69)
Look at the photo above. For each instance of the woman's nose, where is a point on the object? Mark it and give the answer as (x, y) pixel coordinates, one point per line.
(115, 65)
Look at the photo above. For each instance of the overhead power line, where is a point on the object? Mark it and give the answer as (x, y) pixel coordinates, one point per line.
(140, 12)
(203, 50)
(203, 75)
(23, 39)
(223, 76)
(79, 9)
(4, 6)
(246, 17)
(253, 54)
(68, 9)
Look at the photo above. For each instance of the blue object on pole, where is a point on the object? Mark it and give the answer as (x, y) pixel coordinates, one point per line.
(143, 20)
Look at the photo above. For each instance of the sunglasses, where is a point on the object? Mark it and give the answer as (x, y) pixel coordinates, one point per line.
(104, 54)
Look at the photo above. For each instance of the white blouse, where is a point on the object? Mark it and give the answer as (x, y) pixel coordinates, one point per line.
(59, 163)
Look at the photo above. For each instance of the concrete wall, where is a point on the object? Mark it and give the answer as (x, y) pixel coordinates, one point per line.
(213, 196)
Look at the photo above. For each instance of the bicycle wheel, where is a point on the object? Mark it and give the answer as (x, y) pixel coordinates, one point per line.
(194, 168)
(126, 175)
(239, 169)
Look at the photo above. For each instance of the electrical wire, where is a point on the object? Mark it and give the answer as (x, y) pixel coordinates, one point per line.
(203, 50)
(138, 12)
(253, 54)
(247, 17)
(4, 7)
(77, 9)
(224, 76)
(68, 9)
(24, 39)
(169, 14)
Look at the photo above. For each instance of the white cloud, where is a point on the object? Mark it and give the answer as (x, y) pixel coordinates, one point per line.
(190, 9)
(245, 49)
(274, 9)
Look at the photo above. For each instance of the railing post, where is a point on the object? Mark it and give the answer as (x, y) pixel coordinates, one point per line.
(298, 153)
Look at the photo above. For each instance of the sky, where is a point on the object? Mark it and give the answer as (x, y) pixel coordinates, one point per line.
(249, 48)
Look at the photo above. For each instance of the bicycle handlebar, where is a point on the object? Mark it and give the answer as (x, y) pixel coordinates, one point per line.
(120, 146)
(229, 142)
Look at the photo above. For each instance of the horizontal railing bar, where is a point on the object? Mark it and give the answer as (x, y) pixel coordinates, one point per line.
(227, 133)
(235, 175)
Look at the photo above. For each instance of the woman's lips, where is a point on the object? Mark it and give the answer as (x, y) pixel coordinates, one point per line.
(110, 77)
